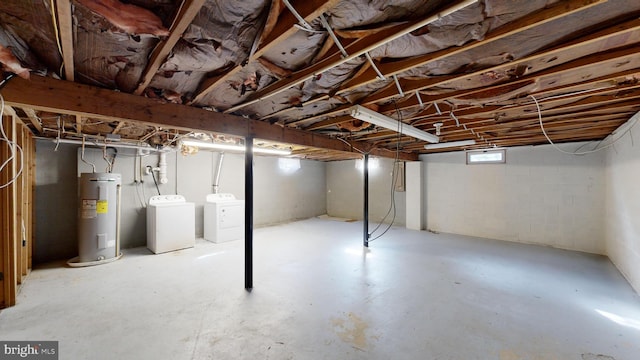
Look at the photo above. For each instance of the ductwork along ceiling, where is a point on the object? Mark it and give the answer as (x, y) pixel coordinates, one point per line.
(288, 72)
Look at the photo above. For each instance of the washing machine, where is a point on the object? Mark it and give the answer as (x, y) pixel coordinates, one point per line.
(170, 223)
(223, 218)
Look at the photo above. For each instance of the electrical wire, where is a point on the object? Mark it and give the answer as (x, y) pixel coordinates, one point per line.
(153, 175)
(353, 147)
(57, 33)
(394, 181)
(576, 152)
(12, 147)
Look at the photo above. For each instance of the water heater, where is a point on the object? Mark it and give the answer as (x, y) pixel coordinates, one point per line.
(99, 217)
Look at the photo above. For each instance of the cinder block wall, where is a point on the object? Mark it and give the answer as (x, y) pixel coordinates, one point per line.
(623, 206)
(539, 196)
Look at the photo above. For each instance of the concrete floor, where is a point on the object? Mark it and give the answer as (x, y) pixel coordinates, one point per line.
(318, 295)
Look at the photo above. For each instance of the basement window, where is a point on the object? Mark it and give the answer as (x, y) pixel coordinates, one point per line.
(490, 156)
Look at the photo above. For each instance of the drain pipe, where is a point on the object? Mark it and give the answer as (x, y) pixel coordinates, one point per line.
(216, 182)
(162, 168)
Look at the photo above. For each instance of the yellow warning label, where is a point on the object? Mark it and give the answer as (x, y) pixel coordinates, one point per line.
(102, 207)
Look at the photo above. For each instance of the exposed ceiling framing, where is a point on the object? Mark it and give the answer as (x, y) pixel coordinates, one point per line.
(288, 72)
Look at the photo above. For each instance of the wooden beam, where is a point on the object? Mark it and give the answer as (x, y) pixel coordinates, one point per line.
(538, 18)
(79, 124)
(564, 57)
(329, 122)
(546, 102)
(485, 123)
(354, 50)
(21, 251)
(65, 97)
(65, 32)
(556, 77)
(9, 111)
(208, 84)
(33, 118)
(307, 9)
(8, 195)
(187, 12)
(559, 86)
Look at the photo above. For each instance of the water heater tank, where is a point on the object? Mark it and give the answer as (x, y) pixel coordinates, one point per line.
(98, 213)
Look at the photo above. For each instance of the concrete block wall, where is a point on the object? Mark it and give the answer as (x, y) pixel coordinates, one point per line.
(345, 191)
(279, 195)
(623, 206)
(539, 196)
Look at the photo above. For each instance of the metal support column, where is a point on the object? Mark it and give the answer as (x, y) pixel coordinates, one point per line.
(248, 213)
(366, 201)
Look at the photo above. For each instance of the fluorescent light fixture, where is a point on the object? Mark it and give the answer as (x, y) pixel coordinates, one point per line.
(450, 144)
(370, 116)
(233, 147)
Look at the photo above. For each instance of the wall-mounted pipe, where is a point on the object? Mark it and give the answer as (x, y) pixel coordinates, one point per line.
(162, 168)
(93, 166)
(118, 218)
(216, 181)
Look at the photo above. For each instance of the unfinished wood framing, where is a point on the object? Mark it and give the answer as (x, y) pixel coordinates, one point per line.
(64, 97)
(65, 31)
(16, 205)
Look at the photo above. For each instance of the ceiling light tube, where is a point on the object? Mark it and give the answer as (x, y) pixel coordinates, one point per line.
(449, 144)
(364, 114)
(233, 147)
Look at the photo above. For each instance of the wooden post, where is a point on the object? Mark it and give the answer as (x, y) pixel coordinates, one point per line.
(8, 197)
(16, 205)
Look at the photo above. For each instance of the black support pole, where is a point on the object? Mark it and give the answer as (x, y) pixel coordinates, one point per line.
(366, 201)
(248, 214)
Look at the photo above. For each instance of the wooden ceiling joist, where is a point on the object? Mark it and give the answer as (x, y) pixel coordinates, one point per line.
(539, 18)
(612, 63)
(566, 57)
(284, 27)
(33, 119)
(560, 87)
(354, 50)
(65, 97)
(65, 33)
(187, 12)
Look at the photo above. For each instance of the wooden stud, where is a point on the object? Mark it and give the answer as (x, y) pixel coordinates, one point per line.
(33, 118)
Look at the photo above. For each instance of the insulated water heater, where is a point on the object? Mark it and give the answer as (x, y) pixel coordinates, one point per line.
(99, 217)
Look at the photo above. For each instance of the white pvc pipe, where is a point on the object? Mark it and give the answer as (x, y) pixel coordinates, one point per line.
(162, 168)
